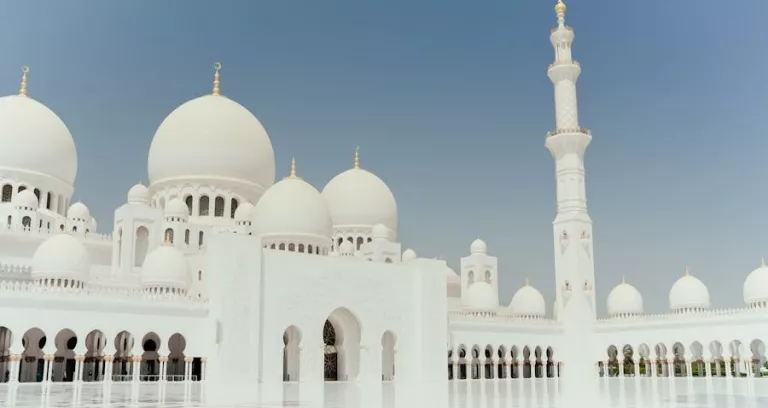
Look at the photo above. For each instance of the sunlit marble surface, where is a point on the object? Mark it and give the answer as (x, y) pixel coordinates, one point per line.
(619, 393)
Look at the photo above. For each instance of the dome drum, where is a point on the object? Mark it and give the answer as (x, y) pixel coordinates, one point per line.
(302, 243)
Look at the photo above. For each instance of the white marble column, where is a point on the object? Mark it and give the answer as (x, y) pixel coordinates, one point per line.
(620, 360)
(708, 368)
(79, 369)
(48, 368)
(204, 366)
(15, 368)
(728, 372)
(188, 369)
(455, 368)
(136, 368)
(688, 370)
(163, 370)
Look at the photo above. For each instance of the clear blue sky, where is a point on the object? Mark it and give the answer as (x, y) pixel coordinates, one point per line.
(449, 101)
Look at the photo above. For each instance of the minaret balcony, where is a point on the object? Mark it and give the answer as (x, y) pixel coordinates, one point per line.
(564, 70)
(558, 132)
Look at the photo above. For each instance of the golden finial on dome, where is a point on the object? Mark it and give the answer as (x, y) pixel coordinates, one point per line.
(216, 88)
(762, 261)
(687, 271)
(623, 280)
(527, 282)
(293, 168)
(560, 7)
(357, 157)
(23, 87)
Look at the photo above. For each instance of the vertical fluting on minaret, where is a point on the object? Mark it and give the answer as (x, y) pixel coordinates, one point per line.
(567, 143)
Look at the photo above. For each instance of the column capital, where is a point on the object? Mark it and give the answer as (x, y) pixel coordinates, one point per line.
(136, 359)
(109, 358)
(188, 359)
(163, 359)
(15, 357)
(48, 357)
(204, 359)
(80, 358)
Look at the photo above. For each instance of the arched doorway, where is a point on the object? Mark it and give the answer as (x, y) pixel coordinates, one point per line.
(388, 341)
(291, 353)
(341, 336)
(330, 360)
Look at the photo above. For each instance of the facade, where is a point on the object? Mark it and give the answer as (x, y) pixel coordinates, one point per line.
(215, 272)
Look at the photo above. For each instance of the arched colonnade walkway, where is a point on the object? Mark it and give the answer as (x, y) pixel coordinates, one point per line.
(716, 359)
(489, 362)
(67, 360)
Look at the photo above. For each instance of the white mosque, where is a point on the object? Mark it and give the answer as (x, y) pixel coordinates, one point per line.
(216, 273)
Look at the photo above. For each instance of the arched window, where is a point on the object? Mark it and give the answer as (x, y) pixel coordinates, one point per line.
(142, 244)
(234, 208)
(470, 278)
(204, 201)
(188, 202)
(74, 229)
(200, 239)
(48, 197)
(309, 249)
(7, 193)
(219, 209)
(488, 276)
(119, 247)
(37, 194)
(301, 248)
(360, 242)
(199, 275)
(26, 222)
(388, 260)
(281, 247)
(186, 237)
(169, 235)
(21, 188)
(291, 247)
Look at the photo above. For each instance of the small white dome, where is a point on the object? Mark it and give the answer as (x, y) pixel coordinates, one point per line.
(61, 256)
(165, 267)
(212, 137)
(138, 194)
(478, 247)
(481, 296)
(34, 139)
(756, 285)
(528, 301)
(292, 207)
(244, 211)
(409, 255)
(176, 208)
(358, 197)
(78, 211)
(25, 199)
(380, 232)
(688, 293)
(625, 299)
(347, 248)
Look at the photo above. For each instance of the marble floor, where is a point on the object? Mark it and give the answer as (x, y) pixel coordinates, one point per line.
(542, 393)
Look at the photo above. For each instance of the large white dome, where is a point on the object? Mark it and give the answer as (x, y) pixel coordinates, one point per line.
(625, 299)
(61, 256)
(528, 301)
(756, 285)
(480, 295)
(689, 293)
(34, 139)
(212, 137)
(358, 197)
(165, 267)
(292, 208)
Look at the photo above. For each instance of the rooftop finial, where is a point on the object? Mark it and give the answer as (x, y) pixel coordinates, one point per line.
(293, 168)
(23, 87)
(527, 282)
(216, 88)
(357, 157)
(687, 271)
(560, 8)
(762, 262)
(623, 280)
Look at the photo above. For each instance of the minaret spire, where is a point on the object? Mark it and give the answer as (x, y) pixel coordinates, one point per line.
(216, 88)
(574, 263)
(357, 157)
(23, 87)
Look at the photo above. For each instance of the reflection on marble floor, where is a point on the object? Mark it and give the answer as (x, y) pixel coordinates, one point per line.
(626, 393)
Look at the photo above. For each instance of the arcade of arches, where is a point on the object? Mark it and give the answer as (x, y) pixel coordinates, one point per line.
(489, 363)
(736, 359)
(62, 363)
(341, 349)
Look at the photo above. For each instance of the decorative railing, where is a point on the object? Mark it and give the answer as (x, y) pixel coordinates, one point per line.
(490, 316)
(694, 314)
(44, 232)
(573, 130)
(99, 293)
(558, 63)
(15, 271)
(152, 378)
(565, 27)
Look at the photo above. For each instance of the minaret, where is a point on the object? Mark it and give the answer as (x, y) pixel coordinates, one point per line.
(568, 142)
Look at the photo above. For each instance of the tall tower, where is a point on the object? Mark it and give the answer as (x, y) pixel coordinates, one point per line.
(574, 263)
